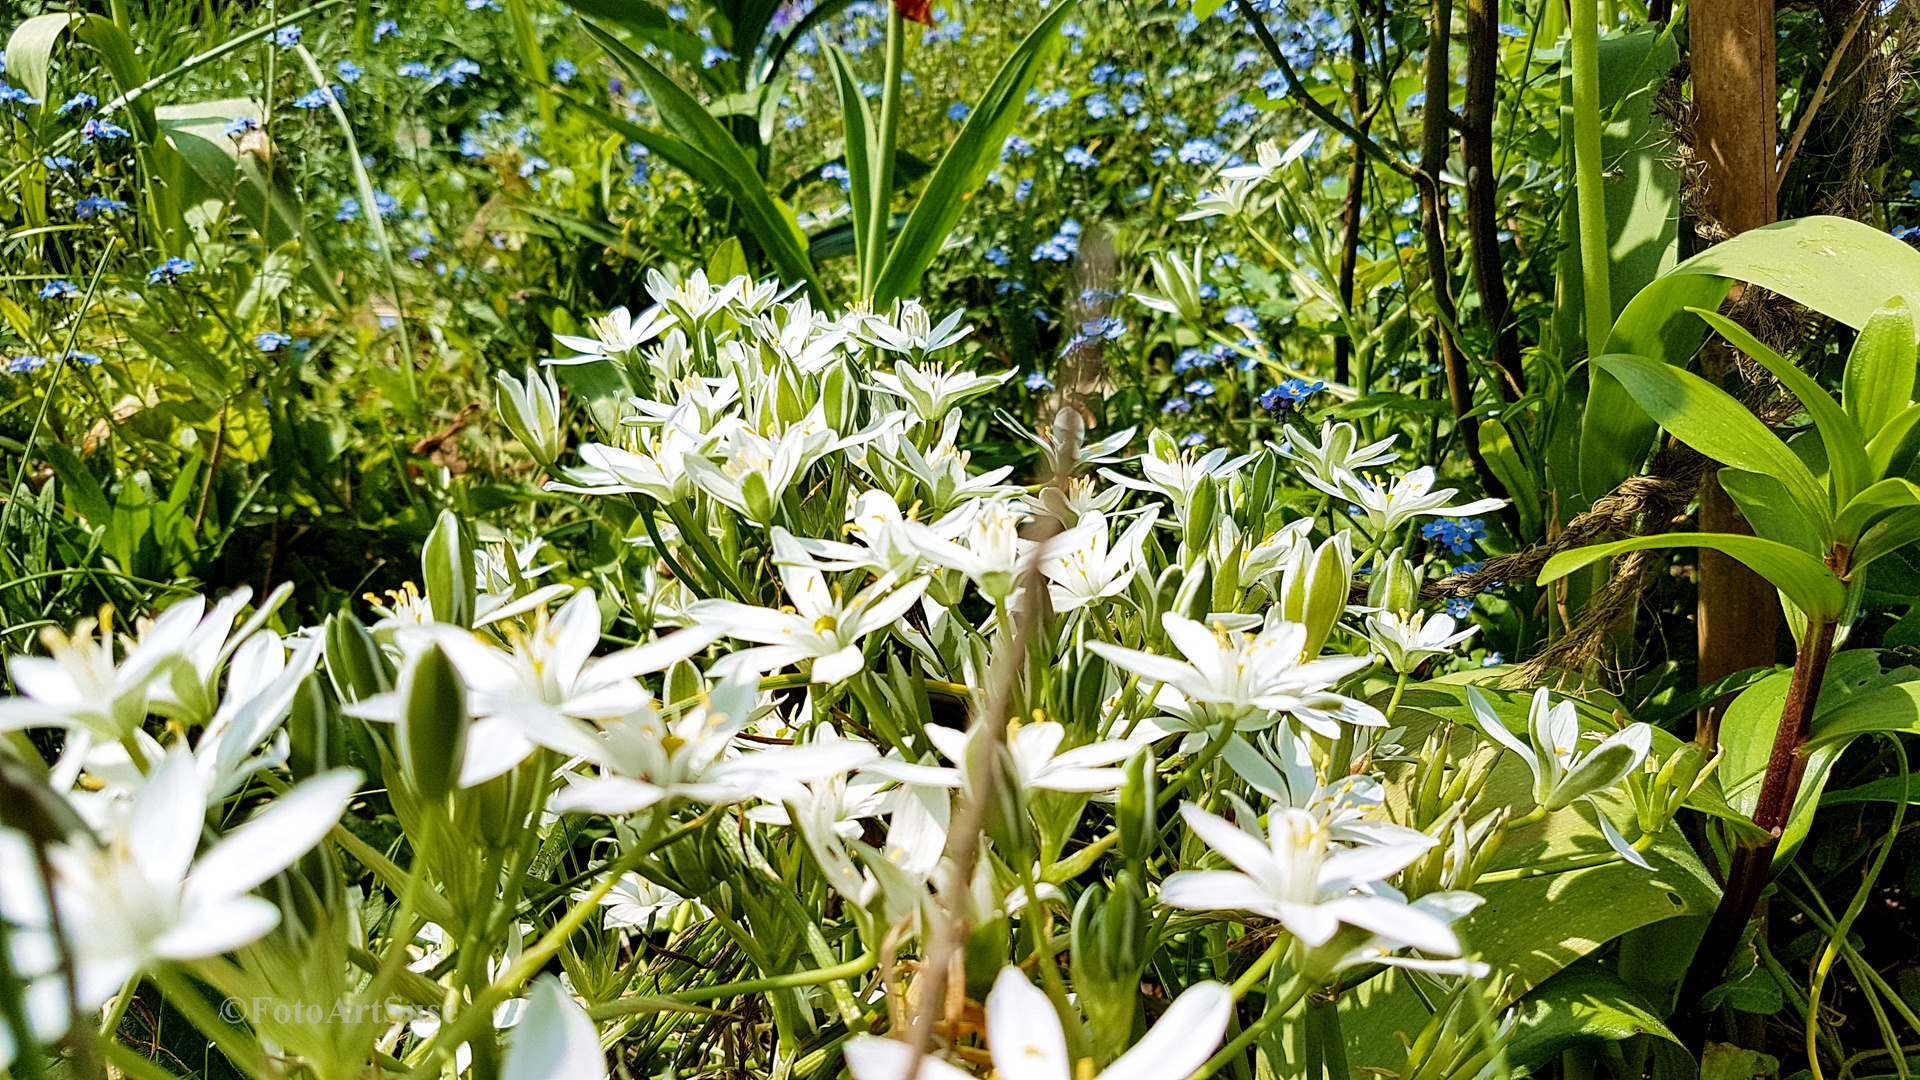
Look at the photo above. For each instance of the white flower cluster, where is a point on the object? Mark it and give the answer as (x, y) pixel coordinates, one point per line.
(799, 500)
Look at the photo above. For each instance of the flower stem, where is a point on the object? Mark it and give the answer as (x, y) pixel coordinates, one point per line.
(1252, 976)
(1276, 1011)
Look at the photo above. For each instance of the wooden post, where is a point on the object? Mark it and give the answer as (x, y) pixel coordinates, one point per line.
(1735, 129)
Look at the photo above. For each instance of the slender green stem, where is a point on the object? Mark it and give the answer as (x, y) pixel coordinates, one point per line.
(1558, 866)
(479, 1011)
(124, 1059)
(1251, 977)
(237, 1046)
(1590, 197)
(1276, 1011)
(1834, 940)
(46, 403)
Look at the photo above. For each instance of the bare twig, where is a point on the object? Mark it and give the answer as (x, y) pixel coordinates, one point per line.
(946, 943)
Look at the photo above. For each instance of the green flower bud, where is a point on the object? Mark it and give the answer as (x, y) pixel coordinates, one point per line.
(312, 730)
(1395, 586)
(1138, 807)
(433, 724)
(1202, 504)
(531, 410)
(1006, 817)
(1327, 586)
(355, 665)
(840, 393)
(447, 566)
(759, 499)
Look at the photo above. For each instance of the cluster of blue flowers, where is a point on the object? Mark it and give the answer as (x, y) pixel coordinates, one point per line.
(1288, 395)
(1062, 246)
(170, 271)
(1459, 535)
(94, 204)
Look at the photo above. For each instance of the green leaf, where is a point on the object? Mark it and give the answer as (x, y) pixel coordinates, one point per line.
(1708, 419)
(648, 22)
(1766, 504)
(1891, 789)
(1616, 433)
(1864, 690)
(1803, 578)
(1846, 449)
(966, 162)
(1887, 443)
(1582, 1005)
(690, 122)
(30, 51)
(862, 141)
(1532, 928)
(1846, 270)
(1497, 446)
(1890, 534)
(83, 491)
(1875, 504)
(1880, 371)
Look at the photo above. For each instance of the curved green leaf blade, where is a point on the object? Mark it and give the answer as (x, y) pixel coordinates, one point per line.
(1616, 433)
(966, 162)
(1846, 449)
(863, 140)
(1582, 1005)
(690, 121)
(1843, 269)
(1875, 504)
(1897, 530)
(1880, 370)
(1770, 509)
(1803, 578)
(1708, 419)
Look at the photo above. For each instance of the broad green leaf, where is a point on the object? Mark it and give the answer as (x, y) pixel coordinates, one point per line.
(862, 142)
(1767, 505)
(1497, 446)
(1803, 578)
(1846, 270)
(1864, 690)
(1898, 530)
(1581, 1006)
(1886, 444)
(1531, 928)
(83, 491)
(687, 119)
(1616, 433)
(966, 162)
(1882, 500)
(1708, 419)
(1880, 370)
(1846, 449)
(30, 51)
(1888, 789)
